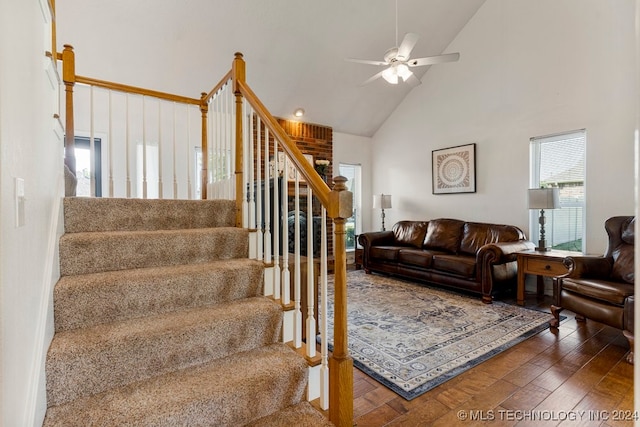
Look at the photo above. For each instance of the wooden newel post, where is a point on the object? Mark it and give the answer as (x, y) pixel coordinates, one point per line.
(204, 174)
(69, 79)
(238, 76)
(340, 363)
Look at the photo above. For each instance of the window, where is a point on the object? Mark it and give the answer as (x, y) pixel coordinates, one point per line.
(352, 226)
(558, 161)
(85, 169)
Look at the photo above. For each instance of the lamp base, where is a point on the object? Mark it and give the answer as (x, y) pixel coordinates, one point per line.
(542, 244)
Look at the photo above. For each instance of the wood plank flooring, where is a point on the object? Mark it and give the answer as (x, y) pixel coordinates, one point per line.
(574, 375)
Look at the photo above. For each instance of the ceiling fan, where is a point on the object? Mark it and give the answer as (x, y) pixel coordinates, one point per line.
(399, 63)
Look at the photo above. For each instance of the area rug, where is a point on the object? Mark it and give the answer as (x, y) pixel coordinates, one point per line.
(412, 338)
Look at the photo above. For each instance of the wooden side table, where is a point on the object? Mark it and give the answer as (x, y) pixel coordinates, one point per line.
(359, 255)
(542, 264)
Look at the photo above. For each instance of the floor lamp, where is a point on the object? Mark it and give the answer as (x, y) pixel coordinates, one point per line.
(543, 198)
(382, 201)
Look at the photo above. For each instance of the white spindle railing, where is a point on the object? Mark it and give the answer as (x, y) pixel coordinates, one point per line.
(143, 143)
(221, 120)
(268, 173)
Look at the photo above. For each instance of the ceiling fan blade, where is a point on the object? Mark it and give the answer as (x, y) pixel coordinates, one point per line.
(372, 78)
(409, 41)
(430, 60)
(366, 61)
(413, 81)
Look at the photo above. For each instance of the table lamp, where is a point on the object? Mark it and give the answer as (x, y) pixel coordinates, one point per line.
(543, 198)
(382, 201)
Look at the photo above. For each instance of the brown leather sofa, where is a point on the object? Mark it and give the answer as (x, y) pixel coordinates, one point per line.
(601, 287)
(470, 256)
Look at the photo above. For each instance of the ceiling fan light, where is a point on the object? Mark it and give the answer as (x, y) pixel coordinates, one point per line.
(390, 75)
(404, 72)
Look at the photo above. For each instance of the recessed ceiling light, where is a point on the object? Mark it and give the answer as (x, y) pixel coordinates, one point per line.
(299, 112)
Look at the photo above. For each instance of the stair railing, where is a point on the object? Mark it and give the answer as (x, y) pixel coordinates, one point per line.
(151, 136)
(336, 203)
(244, 155)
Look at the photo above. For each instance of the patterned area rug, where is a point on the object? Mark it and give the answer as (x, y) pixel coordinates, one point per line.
(412, 338)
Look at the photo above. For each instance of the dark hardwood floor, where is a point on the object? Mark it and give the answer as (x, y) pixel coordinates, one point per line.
(574, 375)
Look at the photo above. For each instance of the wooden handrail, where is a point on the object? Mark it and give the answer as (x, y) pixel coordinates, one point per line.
(217, 87)
(319, 187)
(136, 90)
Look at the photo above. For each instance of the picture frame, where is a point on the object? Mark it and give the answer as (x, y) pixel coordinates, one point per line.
(454, 169)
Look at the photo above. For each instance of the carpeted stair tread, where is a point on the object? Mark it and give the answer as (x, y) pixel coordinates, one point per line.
(83, 253)
(90, 360)
(232, 391)
(91, 299)
(300, 415)
(83, 214)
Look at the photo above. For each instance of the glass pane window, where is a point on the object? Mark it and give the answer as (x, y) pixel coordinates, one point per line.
(559, 161)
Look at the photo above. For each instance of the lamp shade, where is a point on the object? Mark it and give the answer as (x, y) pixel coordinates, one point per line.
(544, 198)
(382, 201)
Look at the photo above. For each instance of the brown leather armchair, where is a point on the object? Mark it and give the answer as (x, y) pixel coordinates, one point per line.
(599, 288)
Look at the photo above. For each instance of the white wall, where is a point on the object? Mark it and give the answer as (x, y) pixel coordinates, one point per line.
(28, 257)
(356, 150)
(526, 69)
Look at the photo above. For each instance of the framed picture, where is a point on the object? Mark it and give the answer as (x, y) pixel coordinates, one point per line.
(454, 169)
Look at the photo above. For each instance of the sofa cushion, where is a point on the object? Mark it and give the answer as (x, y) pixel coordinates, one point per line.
(410, 233)
(463, 265)
(475, 235)
(384, 253)
(444, 234)
(416, 257)
(611, 292)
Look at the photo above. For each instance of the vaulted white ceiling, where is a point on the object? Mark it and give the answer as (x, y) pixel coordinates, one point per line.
(295, 50)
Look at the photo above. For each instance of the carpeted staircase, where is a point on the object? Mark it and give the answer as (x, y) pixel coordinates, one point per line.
(160, 321)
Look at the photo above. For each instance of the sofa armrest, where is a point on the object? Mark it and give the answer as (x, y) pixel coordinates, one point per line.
(591, 267)
(496, 253)
(503, 252)
(374, 238)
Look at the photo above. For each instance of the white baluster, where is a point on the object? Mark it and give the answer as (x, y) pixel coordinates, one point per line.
(286, 274)
(245, 166)
(160, 196)
(297, 325)
(276, 224)
(259, 205)
(92, 147)
(189, 154)
(110, 141)
(127, 155)
(311, 292)
(267, 201)
(173, 143)
(144, 148)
